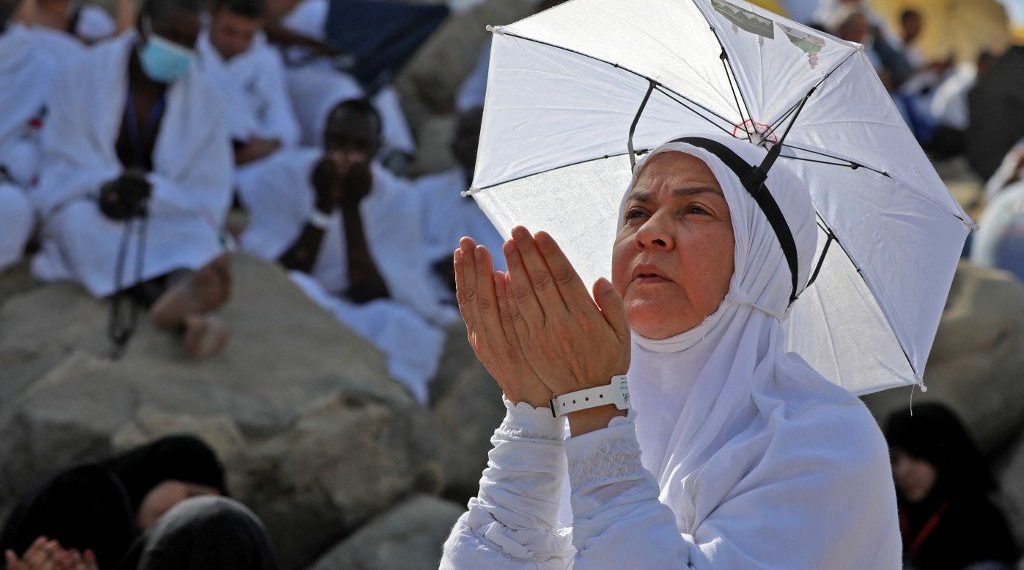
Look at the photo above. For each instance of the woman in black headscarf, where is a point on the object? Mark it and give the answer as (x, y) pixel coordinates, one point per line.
(124, 512)
(943, 485)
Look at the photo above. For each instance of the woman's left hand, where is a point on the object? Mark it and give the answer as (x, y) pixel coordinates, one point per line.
(570, 341)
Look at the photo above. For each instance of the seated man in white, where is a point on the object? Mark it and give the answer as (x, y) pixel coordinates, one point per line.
(250, 75)
(316, 85)
(136, 176)
(447, 215)
(26, 74)
(350, 232)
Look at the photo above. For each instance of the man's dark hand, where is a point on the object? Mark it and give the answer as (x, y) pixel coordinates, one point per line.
(126, 196)
(325, 179)
(355, 185)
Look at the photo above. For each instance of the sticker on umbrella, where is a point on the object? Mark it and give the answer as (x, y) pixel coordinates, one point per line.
(808, 43)
(745, 20)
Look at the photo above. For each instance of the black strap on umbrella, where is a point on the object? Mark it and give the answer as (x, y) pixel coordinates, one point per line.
(753, 179)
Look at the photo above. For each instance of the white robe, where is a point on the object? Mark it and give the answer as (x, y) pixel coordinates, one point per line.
(62, 46)
(407, 327)
(446, 216)
(253, 87)
(27, 74)
(999, 241)
(191, 177)
(949, 105)
(316, 87)
(750, 458)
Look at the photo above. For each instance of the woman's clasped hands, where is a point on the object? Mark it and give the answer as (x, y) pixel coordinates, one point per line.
(536, 328)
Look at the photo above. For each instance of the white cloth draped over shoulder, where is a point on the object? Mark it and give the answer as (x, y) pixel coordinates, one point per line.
(408, 325)
(191, 177)
(26, 73)
(445, 216)
(750, 458)
(253, 87)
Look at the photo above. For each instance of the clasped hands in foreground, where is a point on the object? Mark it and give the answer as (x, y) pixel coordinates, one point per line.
(536, 328)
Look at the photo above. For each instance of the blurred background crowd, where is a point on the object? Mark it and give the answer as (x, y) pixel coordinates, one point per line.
(226, 299)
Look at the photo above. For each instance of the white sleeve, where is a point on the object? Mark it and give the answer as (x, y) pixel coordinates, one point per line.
(512, 524)
(205, 189)
(618, 520)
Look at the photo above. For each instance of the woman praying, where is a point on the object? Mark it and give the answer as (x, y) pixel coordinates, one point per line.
(730, 453)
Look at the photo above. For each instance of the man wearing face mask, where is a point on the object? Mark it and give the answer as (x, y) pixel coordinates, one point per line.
(136, 177)
(350, 232)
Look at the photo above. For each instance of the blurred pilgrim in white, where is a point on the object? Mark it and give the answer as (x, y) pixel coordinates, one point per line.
(249, 74)
(136, 175)
(27, 74)
(447, 214)
(350, 232)
(317, 86)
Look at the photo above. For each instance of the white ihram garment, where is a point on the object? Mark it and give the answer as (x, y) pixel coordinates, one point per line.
(407, 326)
(27, 74)
(751, 459)
(253, 87)
(191, 175)
(446, 215)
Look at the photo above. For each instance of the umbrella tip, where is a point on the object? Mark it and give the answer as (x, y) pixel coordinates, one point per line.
(495, 29)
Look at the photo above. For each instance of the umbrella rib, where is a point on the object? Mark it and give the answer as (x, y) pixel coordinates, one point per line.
(472, 191)
(661, 86)
(727, 67)
(672, 95)
(848, 164)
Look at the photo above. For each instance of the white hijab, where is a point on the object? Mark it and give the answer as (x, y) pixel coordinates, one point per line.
(725, 415)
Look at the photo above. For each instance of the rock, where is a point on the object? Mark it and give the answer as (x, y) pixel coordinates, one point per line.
(316, 438)
(1011, 486)
(467, 407)
(409, 537)
(977, 358)
(429, 82)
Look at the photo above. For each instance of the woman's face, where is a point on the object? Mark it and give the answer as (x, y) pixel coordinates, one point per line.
(914, 477)
(165, 496)
(673, 257)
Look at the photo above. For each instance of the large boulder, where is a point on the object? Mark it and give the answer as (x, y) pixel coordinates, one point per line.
(316, 437)
(1011, 485)
(409, 537)
(430, 81)
(466, 408)
(976, 363)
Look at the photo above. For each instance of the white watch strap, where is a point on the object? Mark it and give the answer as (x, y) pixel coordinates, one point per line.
(617, 392)
(319, 220)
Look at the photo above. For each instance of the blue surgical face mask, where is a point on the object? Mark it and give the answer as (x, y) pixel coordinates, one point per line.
(163, 60)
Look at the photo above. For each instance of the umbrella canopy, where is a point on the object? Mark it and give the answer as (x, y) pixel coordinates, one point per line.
(573, 89)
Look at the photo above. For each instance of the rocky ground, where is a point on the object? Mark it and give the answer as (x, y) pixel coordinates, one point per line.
(316, 437)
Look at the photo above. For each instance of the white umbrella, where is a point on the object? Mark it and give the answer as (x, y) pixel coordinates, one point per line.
(573, 89)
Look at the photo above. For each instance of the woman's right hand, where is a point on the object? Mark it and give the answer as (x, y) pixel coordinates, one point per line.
(492, 337)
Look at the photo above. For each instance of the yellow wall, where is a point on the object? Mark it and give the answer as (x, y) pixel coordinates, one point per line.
(958, 27)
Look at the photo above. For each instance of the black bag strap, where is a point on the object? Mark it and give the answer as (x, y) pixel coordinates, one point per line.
(753, 179)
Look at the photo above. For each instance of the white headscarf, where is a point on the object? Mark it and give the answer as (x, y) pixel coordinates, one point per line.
(723, 410)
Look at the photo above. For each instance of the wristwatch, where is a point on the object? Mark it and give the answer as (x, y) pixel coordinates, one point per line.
(617, 392)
